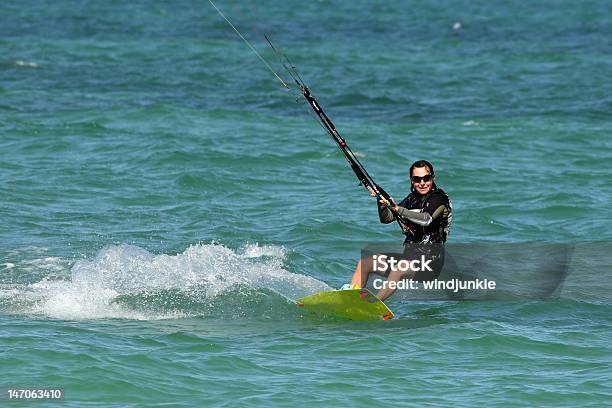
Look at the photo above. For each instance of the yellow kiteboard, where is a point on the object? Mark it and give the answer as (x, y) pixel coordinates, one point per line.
(354, 304)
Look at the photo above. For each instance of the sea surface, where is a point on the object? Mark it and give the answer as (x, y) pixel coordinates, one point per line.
(164, 200)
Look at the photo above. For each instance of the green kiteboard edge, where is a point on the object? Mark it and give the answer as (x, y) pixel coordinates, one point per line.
(353, 304)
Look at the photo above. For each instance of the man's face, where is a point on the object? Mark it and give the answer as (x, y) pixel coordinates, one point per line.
(422, 180)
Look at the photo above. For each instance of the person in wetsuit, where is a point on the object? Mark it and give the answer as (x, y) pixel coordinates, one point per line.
(428, 211)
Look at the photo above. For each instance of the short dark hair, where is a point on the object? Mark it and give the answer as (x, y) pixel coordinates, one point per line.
(422, 163)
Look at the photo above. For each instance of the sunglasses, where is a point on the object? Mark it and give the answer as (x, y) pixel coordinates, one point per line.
(426, 178)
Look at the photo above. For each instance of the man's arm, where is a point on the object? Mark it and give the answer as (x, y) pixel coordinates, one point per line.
(437, 206)
(424, 218)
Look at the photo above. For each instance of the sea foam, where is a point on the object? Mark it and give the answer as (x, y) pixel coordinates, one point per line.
(106, 286)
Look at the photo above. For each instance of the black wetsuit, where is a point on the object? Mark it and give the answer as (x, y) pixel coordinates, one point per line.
(424, 239)
(437, 231)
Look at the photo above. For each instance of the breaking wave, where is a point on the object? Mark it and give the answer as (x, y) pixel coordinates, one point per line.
(208, 280)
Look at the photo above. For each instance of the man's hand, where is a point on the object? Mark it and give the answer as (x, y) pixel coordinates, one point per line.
(390, 203)
(387, 203)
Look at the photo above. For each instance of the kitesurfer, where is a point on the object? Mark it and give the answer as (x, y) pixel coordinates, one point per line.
(428, 212)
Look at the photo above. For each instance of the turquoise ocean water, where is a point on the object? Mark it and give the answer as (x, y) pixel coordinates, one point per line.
(164, 200)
